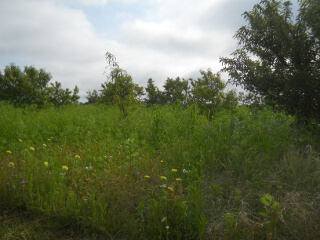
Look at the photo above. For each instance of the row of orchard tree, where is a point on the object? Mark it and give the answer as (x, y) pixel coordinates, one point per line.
(206, 91)
(277, 61)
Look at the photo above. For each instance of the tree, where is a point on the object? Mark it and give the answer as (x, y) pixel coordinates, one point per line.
(176, 90)
(207, 91)
(30, 86)
(93, 97)
(153, 94)
(59, 96)
(23, 87)
(278, 58)
(119, 89)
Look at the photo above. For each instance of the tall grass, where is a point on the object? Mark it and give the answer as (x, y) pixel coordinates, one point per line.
(160, 173)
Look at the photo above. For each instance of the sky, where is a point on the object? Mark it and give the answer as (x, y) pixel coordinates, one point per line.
(150, 38)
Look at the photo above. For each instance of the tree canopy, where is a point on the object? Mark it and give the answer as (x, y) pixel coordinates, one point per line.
(278, 57)
(30, 87)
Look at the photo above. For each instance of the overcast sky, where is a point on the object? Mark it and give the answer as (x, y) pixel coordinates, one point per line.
(150, 38)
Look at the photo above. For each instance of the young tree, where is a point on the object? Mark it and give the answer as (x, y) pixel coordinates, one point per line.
(279, 58)
(153, 94)
(93, 97)
(59, 96)
(119, 89)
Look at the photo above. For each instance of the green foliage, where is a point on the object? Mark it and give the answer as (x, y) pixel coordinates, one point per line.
(284, 67)
(59, 96)
(163, 172)
(30, 87)
(207, 92)
(154, 96)
(25, 87)
(120, 89)
(175, 90)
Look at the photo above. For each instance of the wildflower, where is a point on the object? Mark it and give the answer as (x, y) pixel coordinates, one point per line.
(89, 168)
(162, 161)
(31, 148)
(163, 186)
(174, 170)
(65, 168)
(146, 176)
(44, 145)
(178, 179)
(11, 164)
(77, 156)
(167, 227)
(9, 152)
(23, 182)
(46, 164)
(185, 171)
(170, 188)
(20, 140)
(163, 178)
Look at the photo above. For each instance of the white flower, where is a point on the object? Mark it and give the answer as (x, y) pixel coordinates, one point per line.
(89, 168)
(185, 171)
(163, 186)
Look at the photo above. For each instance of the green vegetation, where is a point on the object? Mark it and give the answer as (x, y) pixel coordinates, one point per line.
(279, 58)
(30, 87)
(163, 173)
(189, 162)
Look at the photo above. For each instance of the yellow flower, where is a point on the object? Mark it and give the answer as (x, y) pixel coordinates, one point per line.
(171, 189)
(167, 227)
(146, 176)
(174, 170)
(11, 164)
(46, 164)
(45, 145)
(65, 168)
(163, 178)
(31, 148)
(178, 179)
(77, 156)
(162, 161)
(9, 152)
(20, 140)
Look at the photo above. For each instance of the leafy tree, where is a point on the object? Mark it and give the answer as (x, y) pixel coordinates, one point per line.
(30, 86)
(119, 89)
(278, 58)
(153, 94)
(207, 91)
(176, 90)
(23, 87)
(93, 97)
(59, 96)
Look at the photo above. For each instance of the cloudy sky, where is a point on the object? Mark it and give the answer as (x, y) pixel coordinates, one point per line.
(150, 38)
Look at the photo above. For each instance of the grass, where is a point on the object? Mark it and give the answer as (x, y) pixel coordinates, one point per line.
(85, 172)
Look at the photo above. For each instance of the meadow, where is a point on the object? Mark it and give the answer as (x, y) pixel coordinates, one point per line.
(164, 172)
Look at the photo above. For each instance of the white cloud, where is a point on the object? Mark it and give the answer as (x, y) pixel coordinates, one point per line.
(166, 38)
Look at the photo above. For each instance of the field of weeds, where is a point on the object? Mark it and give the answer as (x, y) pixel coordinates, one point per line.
(86, 172)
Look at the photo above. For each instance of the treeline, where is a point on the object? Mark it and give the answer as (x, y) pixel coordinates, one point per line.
(31, 87)
(207, 91)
